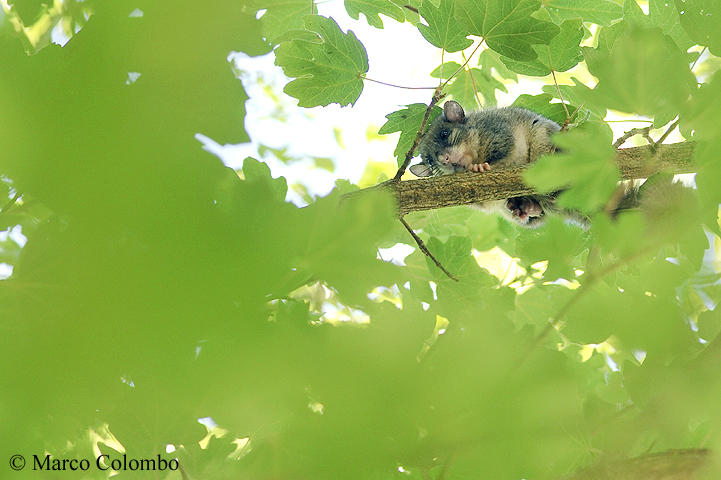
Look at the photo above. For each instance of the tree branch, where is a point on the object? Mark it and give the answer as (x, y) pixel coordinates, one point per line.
(468, 187)
(670, 465)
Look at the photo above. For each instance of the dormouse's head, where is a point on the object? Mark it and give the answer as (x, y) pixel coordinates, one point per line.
(455, 140)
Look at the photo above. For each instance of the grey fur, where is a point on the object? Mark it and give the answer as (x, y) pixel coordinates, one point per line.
(492, 138)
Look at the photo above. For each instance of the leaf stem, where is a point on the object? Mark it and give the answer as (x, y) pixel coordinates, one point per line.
(396, 86)
(666, 133)
(560, 95)
(473, 82)
(462, 67)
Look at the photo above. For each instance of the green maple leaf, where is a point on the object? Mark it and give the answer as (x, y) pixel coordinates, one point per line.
(442, 29)
(491, 60)
(702, 21)
(282, 15)
(372, 8)
(662, 14)
(446, 70)
(600, 12)
(563, 53)
(506, 25)
(407, 122)
(327, 72)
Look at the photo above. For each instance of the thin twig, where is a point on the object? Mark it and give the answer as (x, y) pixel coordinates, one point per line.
(425, 250)
(634, 131)
(473, 82)
(464, 63)
(560, 95)
(666, 134)
(575, 112)
(411, 8)
(437, 95)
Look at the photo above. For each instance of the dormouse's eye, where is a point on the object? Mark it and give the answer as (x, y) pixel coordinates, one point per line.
(444, 134)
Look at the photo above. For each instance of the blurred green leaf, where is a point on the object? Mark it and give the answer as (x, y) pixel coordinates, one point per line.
(575, 95)
(470, 81)
(542, 105)
(662, 13)
(464, 88)
(584, 169)
(559, 244)
(341, 246)
(643, 72)
(28, 10)
(600, 12)
(488, 59)
(701, 19)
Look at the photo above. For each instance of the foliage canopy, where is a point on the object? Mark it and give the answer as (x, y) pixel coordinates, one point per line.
(158, 287)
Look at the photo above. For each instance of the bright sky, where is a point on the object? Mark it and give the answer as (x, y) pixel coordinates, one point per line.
(311, 132)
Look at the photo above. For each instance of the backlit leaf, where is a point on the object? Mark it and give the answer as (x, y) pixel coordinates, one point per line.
(407, 121)
(372, 10)
(506, 25)
(442, 29)
(563, 53)
(328, 72)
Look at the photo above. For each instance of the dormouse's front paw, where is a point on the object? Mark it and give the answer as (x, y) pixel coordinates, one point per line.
(479, 167)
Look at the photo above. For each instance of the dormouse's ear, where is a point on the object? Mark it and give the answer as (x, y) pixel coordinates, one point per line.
(453, 112)
(421, 170)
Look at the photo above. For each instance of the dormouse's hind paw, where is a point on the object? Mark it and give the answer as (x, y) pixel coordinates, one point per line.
(524, 208)
(479, 167)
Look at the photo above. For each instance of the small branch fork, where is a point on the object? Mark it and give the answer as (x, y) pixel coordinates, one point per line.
(437, 96)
